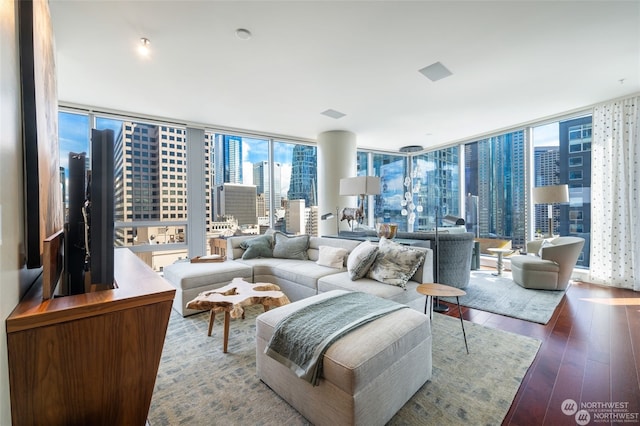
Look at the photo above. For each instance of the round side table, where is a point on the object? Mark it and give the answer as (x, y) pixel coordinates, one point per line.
(432, 290)
(499, 252)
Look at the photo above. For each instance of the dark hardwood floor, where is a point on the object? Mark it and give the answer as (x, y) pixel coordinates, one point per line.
(590, 353)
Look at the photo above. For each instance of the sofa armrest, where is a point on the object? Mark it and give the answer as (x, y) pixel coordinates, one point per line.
(424, 274)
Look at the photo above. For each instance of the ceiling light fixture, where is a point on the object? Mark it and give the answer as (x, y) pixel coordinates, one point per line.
(243, 34)
(411, 148)
(144, 49)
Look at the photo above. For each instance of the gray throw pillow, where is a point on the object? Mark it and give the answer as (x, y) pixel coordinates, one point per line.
(360, 259)
(395, 264)
(257, 247)
(291, 247)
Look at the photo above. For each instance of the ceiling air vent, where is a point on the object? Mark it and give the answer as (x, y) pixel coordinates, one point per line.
(333, 113)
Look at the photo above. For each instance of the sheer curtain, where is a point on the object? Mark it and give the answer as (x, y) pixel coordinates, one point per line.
(615, 194)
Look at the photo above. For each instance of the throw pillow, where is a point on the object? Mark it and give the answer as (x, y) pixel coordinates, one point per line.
(360, 259)
(395, 264)
(257, 247)
(333, 257)
(290, 247)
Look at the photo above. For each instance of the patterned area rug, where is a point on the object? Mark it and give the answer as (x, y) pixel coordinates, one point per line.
(198, 384)
(501, 295)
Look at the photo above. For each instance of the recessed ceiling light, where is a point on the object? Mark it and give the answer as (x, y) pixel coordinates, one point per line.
(333, 113)
(243, 34)
(143, 48)
(435, 71)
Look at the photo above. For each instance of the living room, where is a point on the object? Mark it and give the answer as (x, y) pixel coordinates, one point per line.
(436, 129)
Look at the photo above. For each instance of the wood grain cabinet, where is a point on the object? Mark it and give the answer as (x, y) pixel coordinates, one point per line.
(89, 359)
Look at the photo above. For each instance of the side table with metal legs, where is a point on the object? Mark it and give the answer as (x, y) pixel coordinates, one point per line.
(432, 290)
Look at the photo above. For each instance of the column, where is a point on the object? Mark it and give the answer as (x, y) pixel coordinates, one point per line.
(337, 158)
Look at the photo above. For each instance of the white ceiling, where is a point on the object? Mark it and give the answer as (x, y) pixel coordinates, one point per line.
(513, 62)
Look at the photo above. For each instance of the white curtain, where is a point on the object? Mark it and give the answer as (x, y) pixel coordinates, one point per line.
(615, 194)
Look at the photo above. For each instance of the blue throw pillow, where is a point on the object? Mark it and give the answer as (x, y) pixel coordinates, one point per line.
(290, 247)
(257, 247)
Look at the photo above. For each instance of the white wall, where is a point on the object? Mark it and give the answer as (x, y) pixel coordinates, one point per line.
(14, 277)
(11, 198)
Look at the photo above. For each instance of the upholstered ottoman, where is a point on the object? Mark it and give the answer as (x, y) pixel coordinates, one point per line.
(368, 374)
(191, 279)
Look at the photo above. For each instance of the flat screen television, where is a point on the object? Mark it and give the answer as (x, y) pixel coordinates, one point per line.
(90, 230)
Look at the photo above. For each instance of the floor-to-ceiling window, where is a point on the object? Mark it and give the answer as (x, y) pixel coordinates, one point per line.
(150, 195)
(435, 187)
(562, 155)
(296, 187)
(495, 175)
(388, 205)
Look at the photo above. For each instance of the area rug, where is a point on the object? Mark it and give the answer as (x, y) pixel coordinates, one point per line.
(198, 384)
(501, 295)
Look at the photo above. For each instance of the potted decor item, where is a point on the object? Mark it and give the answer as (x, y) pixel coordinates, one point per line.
(387, 230)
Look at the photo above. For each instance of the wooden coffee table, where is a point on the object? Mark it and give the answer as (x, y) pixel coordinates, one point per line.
(432, 290)
(233, 297)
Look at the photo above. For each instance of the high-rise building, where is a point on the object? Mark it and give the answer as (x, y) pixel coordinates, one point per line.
(238, 201)
(261, 181)
(575, 170)
(150, 174)
(227, 159)
(547, 172)
(303, 175)
(494, 167)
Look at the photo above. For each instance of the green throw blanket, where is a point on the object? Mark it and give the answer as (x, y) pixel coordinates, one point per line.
(301, 338)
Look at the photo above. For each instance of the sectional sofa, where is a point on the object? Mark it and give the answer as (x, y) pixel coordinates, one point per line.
(297, 278)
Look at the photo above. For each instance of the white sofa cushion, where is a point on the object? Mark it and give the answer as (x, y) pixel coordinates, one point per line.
(333, 257)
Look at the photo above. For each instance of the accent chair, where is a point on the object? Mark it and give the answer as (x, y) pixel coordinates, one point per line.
(549, 264)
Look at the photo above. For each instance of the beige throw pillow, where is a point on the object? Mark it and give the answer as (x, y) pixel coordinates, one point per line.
(333, 257)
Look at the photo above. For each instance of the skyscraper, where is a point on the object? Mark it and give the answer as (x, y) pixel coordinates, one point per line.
(261, 181)
(303, 175)
(494, 167)
(575, 169)
(227, 159)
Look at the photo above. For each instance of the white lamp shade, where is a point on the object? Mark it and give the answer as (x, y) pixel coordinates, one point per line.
(550, 194)
(360, 185)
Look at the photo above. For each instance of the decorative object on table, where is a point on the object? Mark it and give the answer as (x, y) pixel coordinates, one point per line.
(386, 230)
(360, 186)
(550, 195)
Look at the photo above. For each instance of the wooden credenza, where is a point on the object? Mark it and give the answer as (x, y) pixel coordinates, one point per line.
(89, 359)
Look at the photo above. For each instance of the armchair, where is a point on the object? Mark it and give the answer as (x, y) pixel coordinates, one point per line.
(551, 266)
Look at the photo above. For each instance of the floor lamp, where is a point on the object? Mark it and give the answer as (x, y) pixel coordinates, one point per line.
(361, 186)
(550, 195)
(438, 307)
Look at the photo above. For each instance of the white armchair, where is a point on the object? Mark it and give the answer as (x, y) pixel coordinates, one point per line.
(551, 266)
